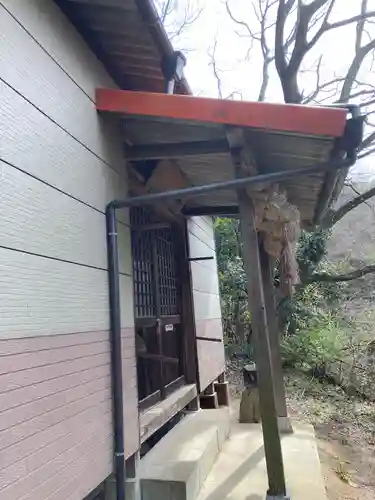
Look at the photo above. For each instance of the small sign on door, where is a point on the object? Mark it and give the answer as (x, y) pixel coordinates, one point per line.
(169, 328)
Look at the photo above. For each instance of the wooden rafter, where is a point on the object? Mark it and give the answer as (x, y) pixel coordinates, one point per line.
(143, 152)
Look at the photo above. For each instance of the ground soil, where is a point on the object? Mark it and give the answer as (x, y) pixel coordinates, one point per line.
(345, 430)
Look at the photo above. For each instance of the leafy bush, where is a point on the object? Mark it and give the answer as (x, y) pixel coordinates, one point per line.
(312, 349)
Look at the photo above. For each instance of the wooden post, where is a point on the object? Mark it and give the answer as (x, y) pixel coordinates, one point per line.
(271, 436)
(273, 332)
(187, 305)
(243, 164)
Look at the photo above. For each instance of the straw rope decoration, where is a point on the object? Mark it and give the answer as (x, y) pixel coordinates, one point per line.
(279, 223)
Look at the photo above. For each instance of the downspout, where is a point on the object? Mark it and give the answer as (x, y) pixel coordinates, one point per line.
(116, 349)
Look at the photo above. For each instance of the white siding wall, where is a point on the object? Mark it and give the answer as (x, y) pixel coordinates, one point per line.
(211, 359)
(60, 164)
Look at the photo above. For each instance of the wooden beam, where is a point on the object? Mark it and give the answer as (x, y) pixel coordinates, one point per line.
(273, 331)
(180, 233)
(166, 177)
(143, 152)
(168, 210)
(251, 257)
(302, 120)
(222, 211)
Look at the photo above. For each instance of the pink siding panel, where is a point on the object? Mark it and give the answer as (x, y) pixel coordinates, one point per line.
(56, 414)
(30, 344)
(19, 448)
(18, 379)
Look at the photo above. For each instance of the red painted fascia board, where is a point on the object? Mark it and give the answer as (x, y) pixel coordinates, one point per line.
(303, 120)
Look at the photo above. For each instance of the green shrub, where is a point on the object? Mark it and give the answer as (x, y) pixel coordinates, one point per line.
(312, 349)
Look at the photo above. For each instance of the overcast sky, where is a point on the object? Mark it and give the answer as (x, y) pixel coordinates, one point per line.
(240, 64)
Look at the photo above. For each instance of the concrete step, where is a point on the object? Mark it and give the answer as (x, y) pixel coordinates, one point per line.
(176, 468)
(239, 473)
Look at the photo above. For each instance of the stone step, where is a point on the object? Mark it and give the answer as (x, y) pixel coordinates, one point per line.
(240, 473)
(176, 468)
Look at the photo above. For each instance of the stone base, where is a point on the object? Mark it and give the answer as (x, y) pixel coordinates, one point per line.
(240, 471)
(285, 425)
(249, 407)
(194, 405)
(132, 489)
(222, 390)
(209, 401)
(177, 466)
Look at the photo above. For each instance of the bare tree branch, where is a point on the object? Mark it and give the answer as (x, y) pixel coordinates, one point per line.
(358, 193)
(239, 22)
(352, 275)
(351, 20)
(174, 24)
(283, 11)
(368, 141)
(165, 10)
(354, 70)
(309, 14)
(213, 64)
(333, 216)
(369, 152)
(261, 12)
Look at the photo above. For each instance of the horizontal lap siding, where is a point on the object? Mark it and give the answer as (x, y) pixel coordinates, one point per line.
(50, 405)
(41, 296)
(60, 164)
(43, 221)
(34, 144)
(206, 296)
(23, 60)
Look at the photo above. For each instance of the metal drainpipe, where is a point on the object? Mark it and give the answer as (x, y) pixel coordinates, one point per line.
(116, 350)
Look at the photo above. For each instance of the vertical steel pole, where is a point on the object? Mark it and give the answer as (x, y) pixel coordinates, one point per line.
(116, 350)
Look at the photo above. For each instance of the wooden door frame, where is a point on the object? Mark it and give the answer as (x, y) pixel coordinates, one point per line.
(181, 235)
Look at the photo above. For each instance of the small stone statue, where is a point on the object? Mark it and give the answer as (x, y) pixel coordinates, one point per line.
(249, 407)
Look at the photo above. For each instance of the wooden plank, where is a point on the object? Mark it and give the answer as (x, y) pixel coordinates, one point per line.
(152, 420)
(269, 116)
(143, 152)
(219, 211)
(275, 468)
(187, 303)
(273, 332)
